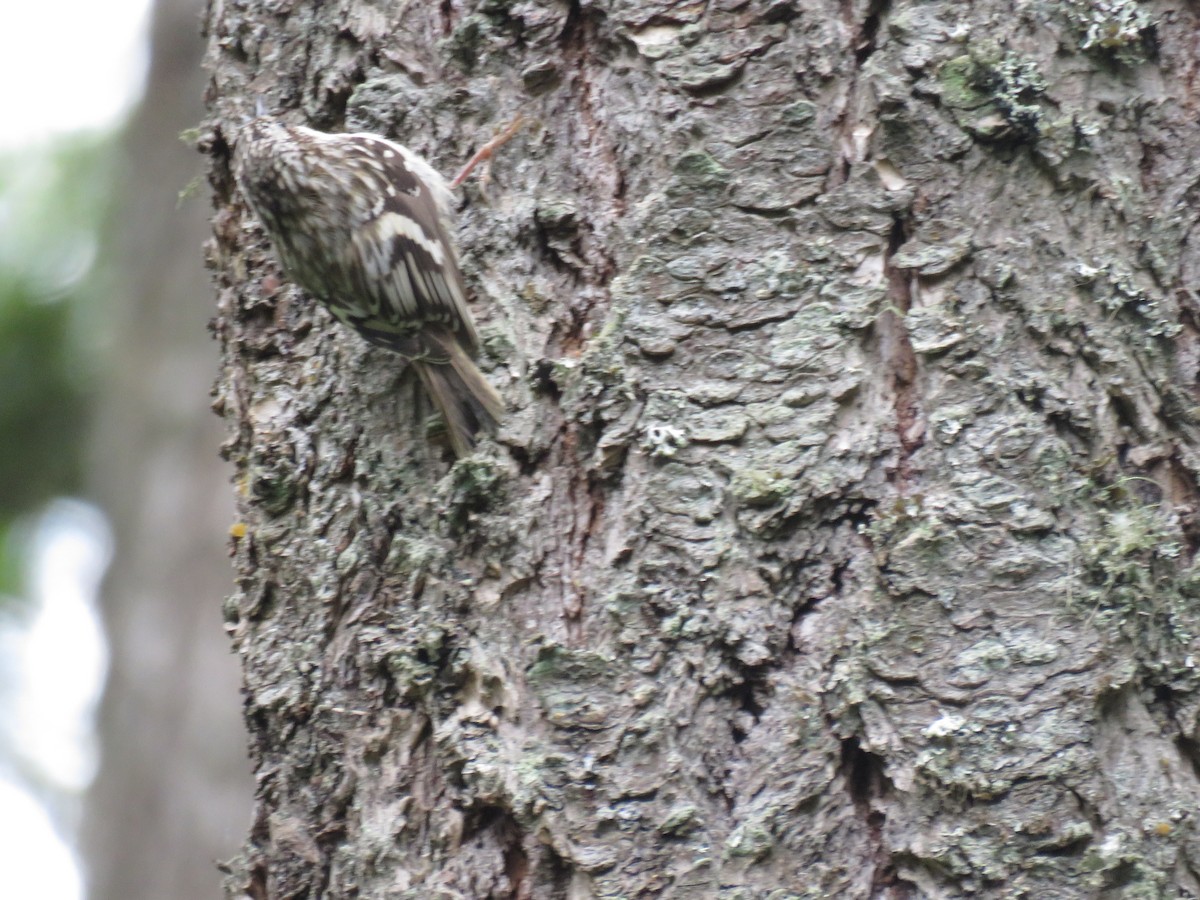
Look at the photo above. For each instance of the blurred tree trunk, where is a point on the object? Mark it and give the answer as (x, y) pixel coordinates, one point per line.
(173, 790)
(839, 541)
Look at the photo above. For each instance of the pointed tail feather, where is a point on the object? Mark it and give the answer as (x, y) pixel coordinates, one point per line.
(467, 401)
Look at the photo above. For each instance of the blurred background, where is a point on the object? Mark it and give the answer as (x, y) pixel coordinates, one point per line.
(123, 771)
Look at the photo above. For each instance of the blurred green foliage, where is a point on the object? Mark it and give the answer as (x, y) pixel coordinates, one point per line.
(54, 201)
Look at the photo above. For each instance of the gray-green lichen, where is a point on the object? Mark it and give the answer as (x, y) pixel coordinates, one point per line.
(1121, 29)
(473, 486)
(994, 95)
(1116, 288)
(1140, 581)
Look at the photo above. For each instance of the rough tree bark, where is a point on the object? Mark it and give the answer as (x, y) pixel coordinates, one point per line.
(839, 541)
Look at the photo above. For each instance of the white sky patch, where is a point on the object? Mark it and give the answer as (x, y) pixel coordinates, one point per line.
(69, 65)
(36, 862)
(63, 651)
(54, 669)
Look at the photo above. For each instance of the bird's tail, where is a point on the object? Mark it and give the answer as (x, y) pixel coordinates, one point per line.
(467, 401)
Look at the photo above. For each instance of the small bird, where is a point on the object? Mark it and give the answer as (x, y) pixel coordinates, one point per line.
(364, 225)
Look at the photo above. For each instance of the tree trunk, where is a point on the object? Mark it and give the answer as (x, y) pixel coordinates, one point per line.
(173, 789)
(839, 539)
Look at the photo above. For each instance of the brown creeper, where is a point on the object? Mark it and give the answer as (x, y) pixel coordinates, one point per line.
(364, 225)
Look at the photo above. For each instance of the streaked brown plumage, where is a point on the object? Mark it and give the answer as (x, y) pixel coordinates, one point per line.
(362, 224)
